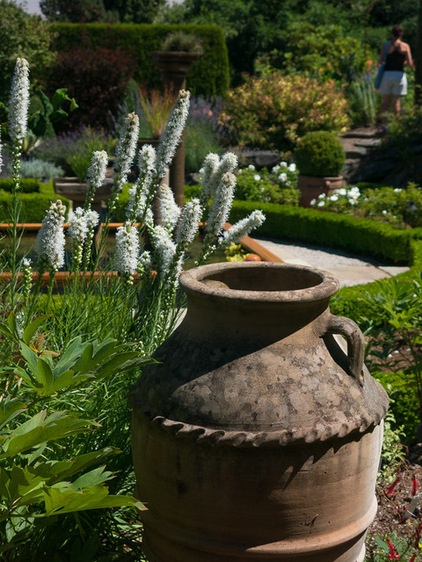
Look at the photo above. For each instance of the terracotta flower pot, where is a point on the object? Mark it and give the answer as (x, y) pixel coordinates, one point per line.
(255, 436)
(311, 187)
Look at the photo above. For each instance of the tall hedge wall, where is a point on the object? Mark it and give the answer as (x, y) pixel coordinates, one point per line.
(209, 75)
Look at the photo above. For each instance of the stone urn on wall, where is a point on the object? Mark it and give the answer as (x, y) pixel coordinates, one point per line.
(319, 157)
(256, 436)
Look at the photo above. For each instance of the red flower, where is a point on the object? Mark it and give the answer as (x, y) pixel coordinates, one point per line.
(414, 486)
(393, 555)
(391, 488)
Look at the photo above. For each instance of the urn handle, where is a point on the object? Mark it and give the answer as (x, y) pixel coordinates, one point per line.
(355, 342)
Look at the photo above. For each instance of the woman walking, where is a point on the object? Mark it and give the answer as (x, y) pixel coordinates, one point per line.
(396, 54)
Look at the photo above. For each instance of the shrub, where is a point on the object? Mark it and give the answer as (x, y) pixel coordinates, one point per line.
(182, 41)
(401, 207)
(356, 235)
(26, 185)
(97, 79)
(274, 111)
(318, 51)
(319, 154)
(276, 186)
(36, 168)
(73, 151)
(33, 206)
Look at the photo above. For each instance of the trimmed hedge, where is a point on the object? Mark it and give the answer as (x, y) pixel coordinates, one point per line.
(27, 185)
(209, 75)
(33, 206)
(359, 236)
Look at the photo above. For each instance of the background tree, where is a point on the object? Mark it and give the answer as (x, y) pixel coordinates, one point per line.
(22, 35)
(134, 11)
(126, 11)
(75, 11)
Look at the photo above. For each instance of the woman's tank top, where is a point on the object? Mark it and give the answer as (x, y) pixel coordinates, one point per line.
(395, 61)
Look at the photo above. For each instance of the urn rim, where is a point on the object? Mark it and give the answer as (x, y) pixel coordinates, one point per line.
(260, 281)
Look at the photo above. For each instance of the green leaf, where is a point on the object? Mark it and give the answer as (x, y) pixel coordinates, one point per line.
(44, 375)
(54, 470)
(30, 330)
(31, 358)
(59, 501)
(9, 409)
(40, 429)
(70, 355)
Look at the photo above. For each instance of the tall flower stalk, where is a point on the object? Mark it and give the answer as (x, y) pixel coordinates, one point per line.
(50, 242)
(18, 122)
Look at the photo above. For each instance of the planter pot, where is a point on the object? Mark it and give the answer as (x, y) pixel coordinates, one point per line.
(256, 437)
(174, 66)
(310, 187)
(75, 191)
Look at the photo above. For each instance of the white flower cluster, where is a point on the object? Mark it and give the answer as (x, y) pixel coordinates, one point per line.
(127, 249)
(348, 195)
(97, 170)
(126, 149)
(243, 227)
(172, 133)
(50, 242)
(19, 101)
(169, 211)
(142, 192)
(187, 227)
(212, 172)
(78, 228)
(165, 249)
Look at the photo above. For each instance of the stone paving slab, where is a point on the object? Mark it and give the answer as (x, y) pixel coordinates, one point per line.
(349, 270)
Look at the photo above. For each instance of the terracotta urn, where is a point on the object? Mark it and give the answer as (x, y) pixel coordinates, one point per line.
(256, 436)
(311, 187)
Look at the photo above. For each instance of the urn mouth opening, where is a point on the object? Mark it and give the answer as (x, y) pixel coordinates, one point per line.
(269, 281)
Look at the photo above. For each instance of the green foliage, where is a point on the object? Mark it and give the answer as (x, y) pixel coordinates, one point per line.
(97, 78)
(401, 207)
(209, 75)
(319, 154)
(363, 100)
(73, 151)
(395, 547)
(134, 11)
(46, 112)
(181, 41)
(404, 133)
(276, 186)
(274, 111)
(76, 11)
(404, 405)
(355, 235)
(200, 140)
(320, 52)
(25, 35)
(33, 206)
(40, 477)
(36, 168)
(389, 312)
(26, 185)
(393, 455)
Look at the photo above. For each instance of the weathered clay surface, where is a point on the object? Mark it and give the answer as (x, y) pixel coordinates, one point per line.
(257, 437)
